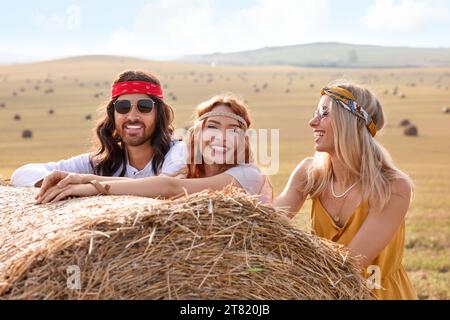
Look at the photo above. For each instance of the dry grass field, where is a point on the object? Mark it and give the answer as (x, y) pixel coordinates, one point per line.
(279, 97)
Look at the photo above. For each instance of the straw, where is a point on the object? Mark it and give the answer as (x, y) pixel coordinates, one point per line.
(210, 245)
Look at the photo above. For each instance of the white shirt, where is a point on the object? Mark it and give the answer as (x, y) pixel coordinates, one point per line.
(29, 174)
(252, 180)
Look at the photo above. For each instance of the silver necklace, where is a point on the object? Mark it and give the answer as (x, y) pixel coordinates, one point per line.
(345, 192)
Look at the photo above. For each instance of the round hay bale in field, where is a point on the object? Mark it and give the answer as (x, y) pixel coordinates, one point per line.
(405, 123)
(210, 245)
(88, 117)
(2, 105)
(446, 110)
(17, 117)
(27, 134)
(51, 111)
(411, 131)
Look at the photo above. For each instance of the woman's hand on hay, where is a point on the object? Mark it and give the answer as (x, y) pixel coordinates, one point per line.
(56, 193)
(61, 179)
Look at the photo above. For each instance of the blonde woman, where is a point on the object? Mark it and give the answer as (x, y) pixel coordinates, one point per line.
(218, 155)
(359, 197)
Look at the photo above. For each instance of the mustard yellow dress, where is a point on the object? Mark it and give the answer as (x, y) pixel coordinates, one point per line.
(395, 284)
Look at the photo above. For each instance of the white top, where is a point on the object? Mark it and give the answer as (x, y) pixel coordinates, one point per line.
(29, 174)
(252, 180)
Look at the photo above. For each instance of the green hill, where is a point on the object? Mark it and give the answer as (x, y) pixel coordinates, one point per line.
(331, 55)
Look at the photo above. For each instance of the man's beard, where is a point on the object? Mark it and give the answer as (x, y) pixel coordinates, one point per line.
(132, 140)
(136, 142)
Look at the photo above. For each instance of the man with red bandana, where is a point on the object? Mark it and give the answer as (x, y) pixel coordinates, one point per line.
(134, 140)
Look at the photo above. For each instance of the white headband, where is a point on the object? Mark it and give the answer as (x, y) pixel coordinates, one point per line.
(223, 114)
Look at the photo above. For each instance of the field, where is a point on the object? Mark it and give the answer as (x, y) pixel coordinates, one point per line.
(279, 97)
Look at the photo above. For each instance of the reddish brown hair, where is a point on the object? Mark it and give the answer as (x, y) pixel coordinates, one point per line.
(196, 169)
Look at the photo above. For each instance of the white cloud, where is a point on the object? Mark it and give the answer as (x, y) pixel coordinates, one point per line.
(68, 21)
(195, 26)
(405, 15)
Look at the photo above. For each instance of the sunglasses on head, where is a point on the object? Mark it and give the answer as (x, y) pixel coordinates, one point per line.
(124, 106)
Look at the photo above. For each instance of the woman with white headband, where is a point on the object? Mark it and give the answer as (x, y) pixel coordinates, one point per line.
(218, 155)
(359, 198)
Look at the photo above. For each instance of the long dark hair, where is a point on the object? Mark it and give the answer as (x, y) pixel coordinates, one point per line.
(110, 152)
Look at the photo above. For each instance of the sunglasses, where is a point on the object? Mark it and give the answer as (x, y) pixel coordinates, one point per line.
(321, 114)
(124, 106)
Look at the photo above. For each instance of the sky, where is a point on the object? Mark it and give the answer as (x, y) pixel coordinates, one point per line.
(167, 29)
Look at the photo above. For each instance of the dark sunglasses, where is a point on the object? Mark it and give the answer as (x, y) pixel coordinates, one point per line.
(124, 106)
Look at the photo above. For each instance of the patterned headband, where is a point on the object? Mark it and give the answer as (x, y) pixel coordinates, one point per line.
(347, 100)
(130, 87)
(223, 114)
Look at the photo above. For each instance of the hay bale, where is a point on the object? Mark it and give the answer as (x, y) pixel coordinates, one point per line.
(411, 131)
(210, 245)
(51, 111)
(88, 117)
(27, 134)
(405, 123)
(2, 105)
(446, 110)
(17, 117)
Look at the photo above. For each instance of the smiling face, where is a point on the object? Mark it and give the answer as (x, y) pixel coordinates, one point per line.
(135, 128)
(221, 137)
(321, 125)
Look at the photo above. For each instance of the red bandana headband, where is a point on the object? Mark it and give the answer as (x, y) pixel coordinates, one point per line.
(131, 87)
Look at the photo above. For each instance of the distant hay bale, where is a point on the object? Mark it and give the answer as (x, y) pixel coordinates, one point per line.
(404, 122)
(395, 91)
(446, 110)
(210, 245)
(2, 105)
(287, 90)
(17, 117)
(402, 96)
(411, 131)
(14, 94)
(172, 96)
(51, 111)
(27, 134)
(88, 117)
